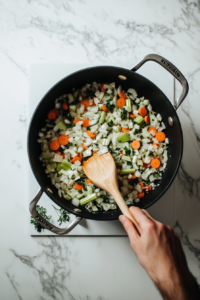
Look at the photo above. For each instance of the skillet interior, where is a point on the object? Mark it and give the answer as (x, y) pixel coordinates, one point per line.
(145, 88)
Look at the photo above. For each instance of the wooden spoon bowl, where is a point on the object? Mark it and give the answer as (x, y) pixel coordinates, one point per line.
(102, 171)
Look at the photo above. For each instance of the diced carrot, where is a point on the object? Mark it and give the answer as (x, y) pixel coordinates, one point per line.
(141, 195)
(141, 184)
(54, 145)
(65, 106)
(63, 139)
(135, 144)
(81, 156)
(58, 152)
(75, 159)
(155, 163)
(146, 119)
(84, 147)
(152, 128)
(142, 111)
(79, 187)
(89, 181)
(121, 102)
(155, 144)
(90, 134)
(104, 108)
(149, 187)
(86, 123)
(86, 103)
(132, 116)
(122, 95)
(160, 136)
(63, 155)
(125, 129)
(51, 115)
(76, 120)
(56, 111)
(102, 89)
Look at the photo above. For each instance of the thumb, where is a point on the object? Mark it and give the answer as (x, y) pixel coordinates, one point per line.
(129, 227)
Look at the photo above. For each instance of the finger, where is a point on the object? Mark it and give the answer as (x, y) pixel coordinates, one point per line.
(140, 216)
(148, 215)
(129, 227)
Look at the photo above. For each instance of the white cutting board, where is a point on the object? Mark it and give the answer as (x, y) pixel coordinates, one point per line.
(42, 78)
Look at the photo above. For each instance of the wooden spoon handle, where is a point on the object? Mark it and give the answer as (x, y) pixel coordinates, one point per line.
(124, 209)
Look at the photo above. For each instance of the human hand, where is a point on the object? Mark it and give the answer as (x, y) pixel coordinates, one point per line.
(159, 251)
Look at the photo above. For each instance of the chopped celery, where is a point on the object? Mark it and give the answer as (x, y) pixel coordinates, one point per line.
(88, 199)
(127, 171)
(139, 120)
(89, 190)
(124, 137)
(46, 155)
(127, 158)
(65, 165)
(72, 108)
(139, 162)
(94, 208)
(102, 117)
(105, 142)
(61, 125)
(51, 167)
(67, 197)
(128, 105)
(118, 164)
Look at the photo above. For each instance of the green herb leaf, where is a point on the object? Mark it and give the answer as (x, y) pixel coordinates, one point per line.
(63, 215)
(124, 114)
(43, 212)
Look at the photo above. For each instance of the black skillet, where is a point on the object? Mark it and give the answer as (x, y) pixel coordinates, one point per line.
(126, 78)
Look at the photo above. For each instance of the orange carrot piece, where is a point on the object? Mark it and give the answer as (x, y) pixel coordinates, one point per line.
(104, 108)
(86, 103)
(58, 152)
(76, 120)
(89, 181)
(75, 159)
(142, 111)
(65, 106)
(121, 102)
(63, 139)
(90, 134)
(141, 195)
(149, 187)
(86, 123)
(132, 116)
(54, 145)
(152, 128)
(146, 119)
(81, 156)
(102, 89)
(160, 136)
(122, 95)
(84, 147)
(51, 115)
(79, 187)
(135, 144)
(155, 163)
(56, 111)
(141, 184)
(125, 129)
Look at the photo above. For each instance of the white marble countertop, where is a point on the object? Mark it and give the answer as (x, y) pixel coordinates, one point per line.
(84, 31)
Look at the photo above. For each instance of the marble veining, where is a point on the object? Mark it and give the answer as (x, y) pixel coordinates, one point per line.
(47, 31)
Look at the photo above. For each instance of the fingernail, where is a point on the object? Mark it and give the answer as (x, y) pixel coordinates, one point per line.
(122, 218)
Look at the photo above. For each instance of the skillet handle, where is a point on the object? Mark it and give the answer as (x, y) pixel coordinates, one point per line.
(44, 222)
(171, 69)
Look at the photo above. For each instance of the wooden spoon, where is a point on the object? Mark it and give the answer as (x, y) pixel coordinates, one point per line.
(102, 171)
